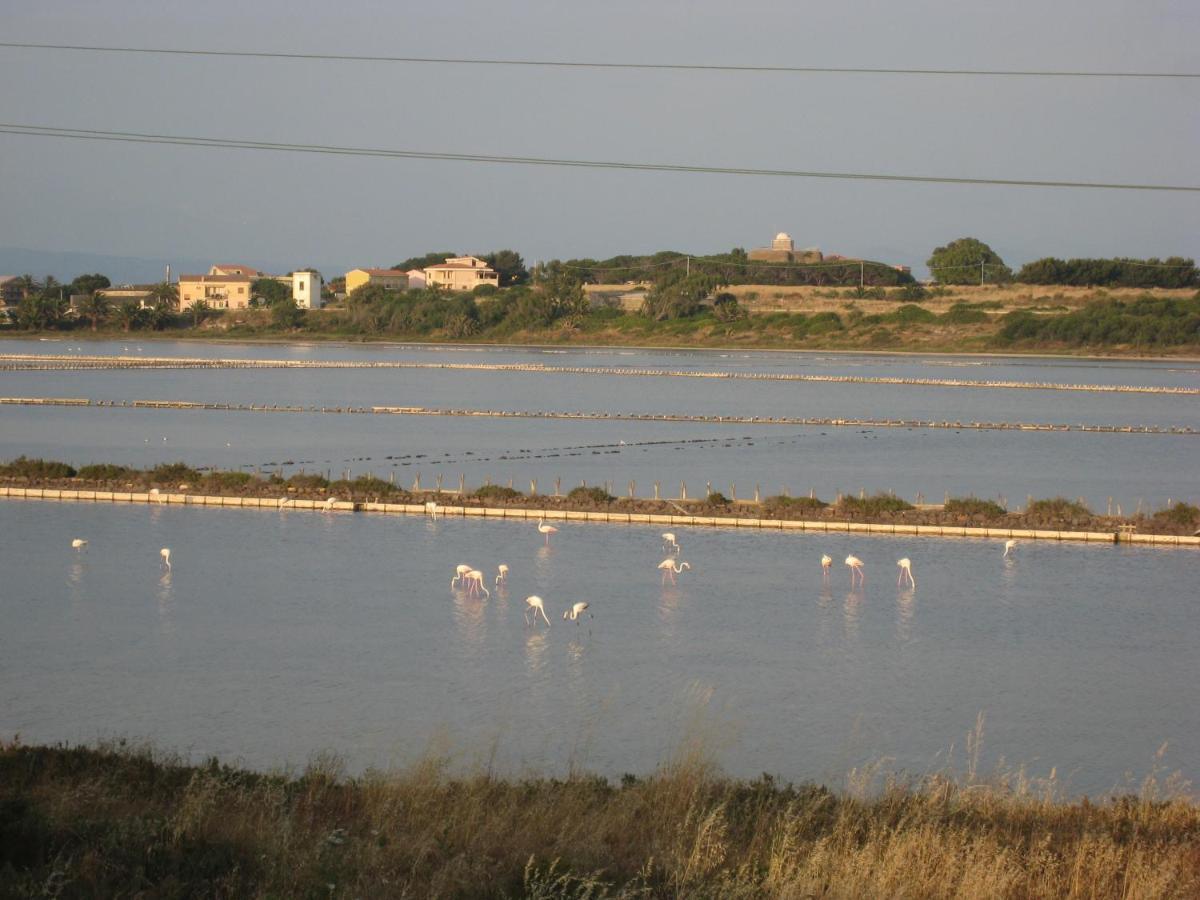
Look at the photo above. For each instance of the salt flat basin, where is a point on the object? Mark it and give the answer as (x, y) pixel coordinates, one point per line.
(281, 634)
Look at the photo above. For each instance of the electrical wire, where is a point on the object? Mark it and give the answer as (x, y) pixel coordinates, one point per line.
(240, 144)
(569, 64)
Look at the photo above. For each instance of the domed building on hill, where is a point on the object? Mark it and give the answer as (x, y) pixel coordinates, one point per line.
(783, 250)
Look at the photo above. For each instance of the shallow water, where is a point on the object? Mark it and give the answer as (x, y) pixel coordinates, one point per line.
(277, 635)
(1133, 470)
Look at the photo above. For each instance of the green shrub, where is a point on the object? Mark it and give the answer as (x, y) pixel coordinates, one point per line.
(166, 473)
(228, 481)
(1057, 508)
(1183, 515)
(779, 503)
(306, 482)
(496, 492)
(910, 314)
(583, 494)
(716, 498)
(108, 472)
(23, 467)
(964, 314)
(973, 506)
(366, 484)
(875, 505)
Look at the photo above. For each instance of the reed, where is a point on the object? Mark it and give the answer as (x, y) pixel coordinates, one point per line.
(120, 820)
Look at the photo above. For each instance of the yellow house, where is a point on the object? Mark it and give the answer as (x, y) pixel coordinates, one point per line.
(391, 279)
(218, 291)
(462, 273)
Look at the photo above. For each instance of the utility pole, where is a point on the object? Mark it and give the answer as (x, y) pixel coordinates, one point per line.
(862, 274)
(981, 265)
(688, 270)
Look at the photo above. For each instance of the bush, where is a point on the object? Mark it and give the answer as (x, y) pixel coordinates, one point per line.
(22, 467)
(228, 481)
(304, 482)
(168, 473)
(108, 472)
(1181, 515)
(496, 492)
(1058, 508)
(975, 508)
(910, 314)
(876, 505)
(716, 498)
(964, 314)
(779, 503)
(366, 484)
(583, 494)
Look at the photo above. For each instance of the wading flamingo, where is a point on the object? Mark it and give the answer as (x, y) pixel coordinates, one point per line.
(501, 574)
(533, 604)
(164, 556)
(905, 571)
(856, 570)
(826, 565)
(156, 495)
(670, 570)
(669, 541)
(576, 611)
(284, 501)
(547, 530)
(474, 582)
(79, 544)
(460, 573)
(1009, 546)
(431, 508)
(327, 506)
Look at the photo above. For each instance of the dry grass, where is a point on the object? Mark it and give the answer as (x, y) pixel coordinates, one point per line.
(121, 821)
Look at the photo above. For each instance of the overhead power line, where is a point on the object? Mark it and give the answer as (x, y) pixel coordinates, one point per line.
(569, 64)
(238, 144)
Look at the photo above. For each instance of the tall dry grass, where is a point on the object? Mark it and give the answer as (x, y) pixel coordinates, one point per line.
(121, 821)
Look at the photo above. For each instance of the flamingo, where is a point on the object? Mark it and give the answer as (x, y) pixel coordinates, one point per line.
(905, 570)
(431, 508)
(533, 604)
(502, 574)
(79, 544)
(165, 556)
(284, 501)
(460, 574)
(1009, 546)
(826, 565)
(327, 506)
(474, 582)
(156, 495)
(670, 570)
(856, 569)
(669, 541)
(547, 530)
(576, 611)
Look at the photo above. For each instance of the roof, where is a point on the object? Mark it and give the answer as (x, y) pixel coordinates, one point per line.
(239, 278)
(248, 270)
(461, 266)
(5, 279)
(381, 271)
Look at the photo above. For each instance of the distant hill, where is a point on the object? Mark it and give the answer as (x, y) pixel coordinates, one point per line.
(65, 265)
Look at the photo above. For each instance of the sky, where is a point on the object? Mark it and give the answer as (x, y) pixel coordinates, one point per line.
(285, 211)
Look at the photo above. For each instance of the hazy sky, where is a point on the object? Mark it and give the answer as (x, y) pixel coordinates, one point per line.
(254, 207)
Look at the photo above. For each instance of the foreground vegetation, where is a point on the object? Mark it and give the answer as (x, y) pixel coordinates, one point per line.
(120, 821)
(1058, 513)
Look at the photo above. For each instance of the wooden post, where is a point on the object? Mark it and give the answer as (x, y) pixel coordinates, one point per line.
(632, 488)
(417, 483)
(533, 487)
(656, 487)
(439, 482)
(462, 485)
(757, 495)
(733, 492)
(682, 491)
(557, 487)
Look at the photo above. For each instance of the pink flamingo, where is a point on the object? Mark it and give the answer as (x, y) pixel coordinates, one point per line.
(905, 571)
(576, 611)
(670, 570)
(460, 573)
(547, 530)
(474, 582)
(501, 574)
(533, 604)
(826, 566)
(856, 570)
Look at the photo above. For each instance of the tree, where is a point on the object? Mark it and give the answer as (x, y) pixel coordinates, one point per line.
(165, 295)
(677, 295)
(28, 286)
(94, 307)
(268, 291)
(39, 311)
(88, 284)
(560, 289)
(962, 262)
(286, 314)
(429, 259)
(199, 310)
(129, 315)
(726, 308)
(510, 266)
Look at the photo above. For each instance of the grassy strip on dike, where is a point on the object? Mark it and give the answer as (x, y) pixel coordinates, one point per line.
(1058, 513)
(127, 821)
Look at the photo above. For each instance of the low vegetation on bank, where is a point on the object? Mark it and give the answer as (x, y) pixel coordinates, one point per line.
(122, 821)
(1056, 513)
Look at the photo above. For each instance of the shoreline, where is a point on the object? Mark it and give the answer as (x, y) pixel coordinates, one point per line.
(527, 512)
(343, 340)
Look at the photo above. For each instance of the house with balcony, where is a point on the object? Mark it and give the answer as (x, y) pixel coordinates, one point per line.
(218, 291)
(461, 273)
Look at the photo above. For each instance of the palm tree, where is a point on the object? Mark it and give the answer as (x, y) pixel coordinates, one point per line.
(199, 310)
(28, 286)
(165, 295)
(95, 307)
(127, 315)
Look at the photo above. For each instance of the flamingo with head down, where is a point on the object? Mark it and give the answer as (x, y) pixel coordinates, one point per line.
(856, 570)
(670, 569)
(905, 572)
(533, 604)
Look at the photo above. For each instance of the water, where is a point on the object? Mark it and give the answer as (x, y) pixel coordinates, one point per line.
(278, 635)
(1012, 465)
